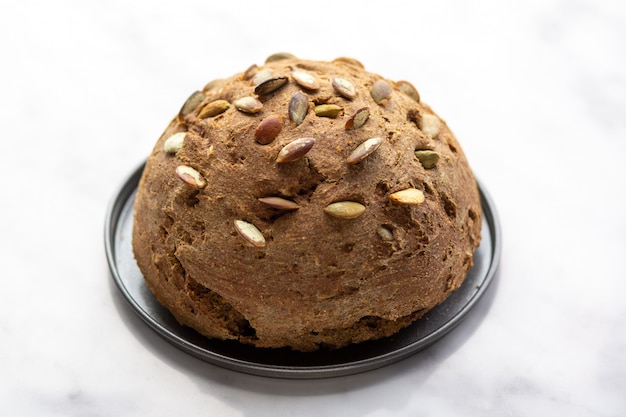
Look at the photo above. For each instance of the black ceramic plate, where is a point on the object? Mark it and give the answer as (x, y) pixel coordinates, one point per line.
(283, 362)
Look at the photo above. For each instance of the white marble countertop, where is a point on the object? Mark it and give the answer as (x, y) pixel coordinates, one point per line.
(535, 91)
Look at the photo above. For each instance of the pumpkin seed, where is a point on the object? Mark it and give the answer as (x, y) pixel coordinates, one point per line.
(358, 119)
(261, 76)
(344, 87)
(364, 150)
(327, 110)
(350, 61)
(427, 158)
(213, 85)
(214, 108)
(279, 203)
(268, 129)
(279, 56)
(295, 150)
(298, 107)
(250, 233)
(408, 89)
(385, 233)
(191, 103)
(250, 72)
(190, 176)
(345, 209)
(174, 142)
(305, 80)
(408, 196)
(430, 125)
(270, 85)
(248, 104)
(381, 92)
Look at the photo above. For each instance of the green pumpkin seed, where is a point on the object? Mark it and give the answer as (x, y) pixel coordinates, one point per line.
(427, 158)
(345, 209)
(327, 110)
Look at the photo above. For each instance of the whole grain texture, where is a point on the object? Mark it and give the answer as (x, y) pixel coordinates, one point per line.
(261, 221)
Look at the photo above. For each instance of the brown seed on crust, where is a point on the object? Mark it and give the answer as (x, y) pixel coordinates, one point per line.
(408, 196)
(295, 150)
(190, 176)
(408, 89)
(381, 92)
(268, 129)
(344, 88)
(364, 150)
(358, 119)
(345, 209)
(248, 104)
(427, 158)
(250, 233)
(191, 103)
(327, 110)
(214, 108)
(279, 203)
(270, 85)
(298, 107)
(279, 56)
(305, 80)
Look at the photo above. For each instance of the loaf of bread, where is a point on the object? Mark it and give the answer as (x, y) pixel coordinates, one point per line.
(305, 204)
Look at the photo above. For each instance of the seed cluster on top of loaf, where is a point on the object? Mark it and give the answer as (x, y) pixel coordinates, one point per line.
(305, 204)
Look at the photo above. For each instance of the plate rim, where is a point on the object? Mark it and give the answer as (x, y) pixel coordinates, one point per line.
(112, 220)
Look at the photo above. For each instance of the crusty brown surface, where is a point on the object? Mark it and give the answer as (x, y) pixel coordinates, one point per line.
(319, 280)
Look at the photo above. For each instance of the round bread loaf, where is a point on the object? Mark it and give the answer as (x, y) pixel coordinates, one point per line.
(305, 204)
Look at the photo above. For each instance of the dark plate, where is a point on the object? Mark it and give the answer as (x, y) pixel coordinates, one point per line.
(283, 362)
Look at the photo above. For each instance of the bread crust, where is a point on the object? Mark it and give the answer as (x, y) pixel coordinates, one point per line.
(318, 281)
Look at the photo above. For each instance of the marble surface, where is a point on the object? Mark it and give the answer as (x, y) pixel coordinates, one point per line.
(535, 91)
